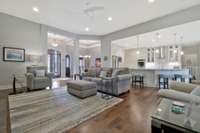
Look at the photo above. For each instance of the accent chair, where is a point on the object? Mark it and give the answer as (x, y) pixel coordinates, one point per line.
(38, 78)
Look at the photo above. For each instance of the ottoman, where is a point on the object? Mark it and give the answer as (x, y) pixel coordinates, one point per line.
(82, 88)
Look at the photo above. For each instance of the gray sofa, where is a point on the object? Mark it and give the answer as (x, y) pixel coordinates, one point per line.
(109, 80)
(181, 92)
(93, 74)
(38, 82)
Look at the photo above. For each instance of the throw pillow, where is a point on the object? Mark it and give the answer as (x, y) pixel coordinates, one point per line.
(103, 74)
(40, 73)
(196, 91)
(109, 73)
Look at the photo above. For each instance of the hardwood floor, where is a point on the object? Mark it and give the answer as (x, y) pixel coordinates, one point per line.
(133, 115)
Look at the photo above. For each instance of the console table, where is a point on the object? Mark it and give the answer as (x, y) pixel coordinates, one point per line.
(4, 110)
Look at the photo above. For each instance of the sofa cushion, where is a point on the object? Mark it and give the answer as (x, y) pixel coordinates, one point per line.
(179, 96)
(41, 79)
(196, 91)
(91, 72)
(120, 71)
(180, 86)
(88, 78)
(81, 85)
(40, 73)
(40, 82)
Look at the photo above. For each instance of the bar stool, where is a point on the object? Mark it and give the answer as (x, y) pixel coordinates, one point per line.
(179, 78)
(163, 81)
(138, 79)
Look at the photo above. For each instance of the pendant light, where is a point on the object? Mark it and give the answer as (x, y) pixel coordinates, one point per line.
(157, 37)
(54, 43)
(175, 42)
(182, 53)
(138, 39)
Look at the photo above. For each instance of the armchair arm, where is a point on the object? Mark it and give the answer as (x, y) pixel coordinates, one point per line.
(84, 74)
(29, 75)
(124, 77)
(107, 78)
(179, 96)
(50, 75)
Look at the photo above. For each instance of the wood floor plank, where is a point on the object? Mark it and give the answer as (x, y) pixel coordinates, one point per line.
(133, 115)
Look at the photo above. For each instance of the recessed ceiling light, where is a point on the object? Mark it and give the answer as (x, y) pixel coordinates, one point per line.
(158, 35)
(151, 1)
(110, 19)
(36, 9)
(87, 29)
(153, 40)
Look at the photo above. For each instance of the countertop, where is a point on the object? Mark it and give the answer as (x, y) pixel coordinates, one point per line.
(157, 69)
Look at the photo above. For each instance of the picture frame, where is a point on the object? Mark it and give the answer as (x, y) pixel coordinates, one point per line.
(12, 54)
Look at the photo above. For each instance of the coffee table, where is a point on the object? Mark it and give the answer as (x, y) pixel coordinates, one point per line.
(166, 121)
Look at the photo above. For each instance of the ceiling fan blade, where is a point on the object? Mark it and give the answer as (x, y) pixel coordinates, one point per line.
(94, 9)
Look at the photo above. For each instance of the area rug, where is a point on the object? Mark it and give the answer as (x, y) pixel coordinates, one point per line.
(53, 111)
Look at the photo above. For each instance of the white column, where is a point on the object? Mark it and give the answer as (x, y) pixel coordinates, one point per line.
(106, 53)
(76, 57)
(44, 44)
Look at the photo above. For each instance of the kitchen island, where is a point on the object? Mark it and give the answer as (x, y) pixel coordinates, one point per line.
(151, 76)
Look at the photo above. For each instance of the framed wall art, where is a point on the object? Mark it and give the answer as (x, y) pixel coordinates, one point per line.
(13, 54)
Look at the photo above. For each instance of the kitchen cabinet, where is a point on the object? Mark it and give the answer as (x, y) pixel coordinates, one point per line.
(150, 54)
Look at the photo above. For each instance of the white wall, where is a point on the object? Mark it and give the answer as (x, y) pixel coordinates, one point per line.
(118, 51)
(191, 58)
(106, 52)
(131, 57)
(20, 34)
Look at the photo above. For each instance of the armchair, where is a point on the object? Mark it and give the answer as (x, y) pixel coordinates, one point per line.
(118, 83)
(37, 77)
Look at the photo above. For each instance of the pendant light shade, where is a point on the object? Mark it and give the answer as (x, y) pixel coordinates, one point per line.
(182, 53)
(138, 39)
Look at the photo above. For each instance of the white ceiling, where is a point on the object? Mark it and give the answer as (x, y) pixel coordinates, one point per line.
(186, 34)
(68, 14)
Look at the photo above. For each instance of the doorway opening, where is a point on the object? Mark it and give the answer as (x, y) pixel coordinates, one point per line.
(60, 55)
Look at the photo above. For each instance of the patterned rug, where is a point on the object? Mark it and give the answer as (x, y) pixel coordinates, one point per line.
(53, 111)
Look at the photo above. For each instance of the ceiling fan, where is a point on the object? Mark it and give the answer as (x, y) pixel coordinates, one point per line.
(91, 11)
